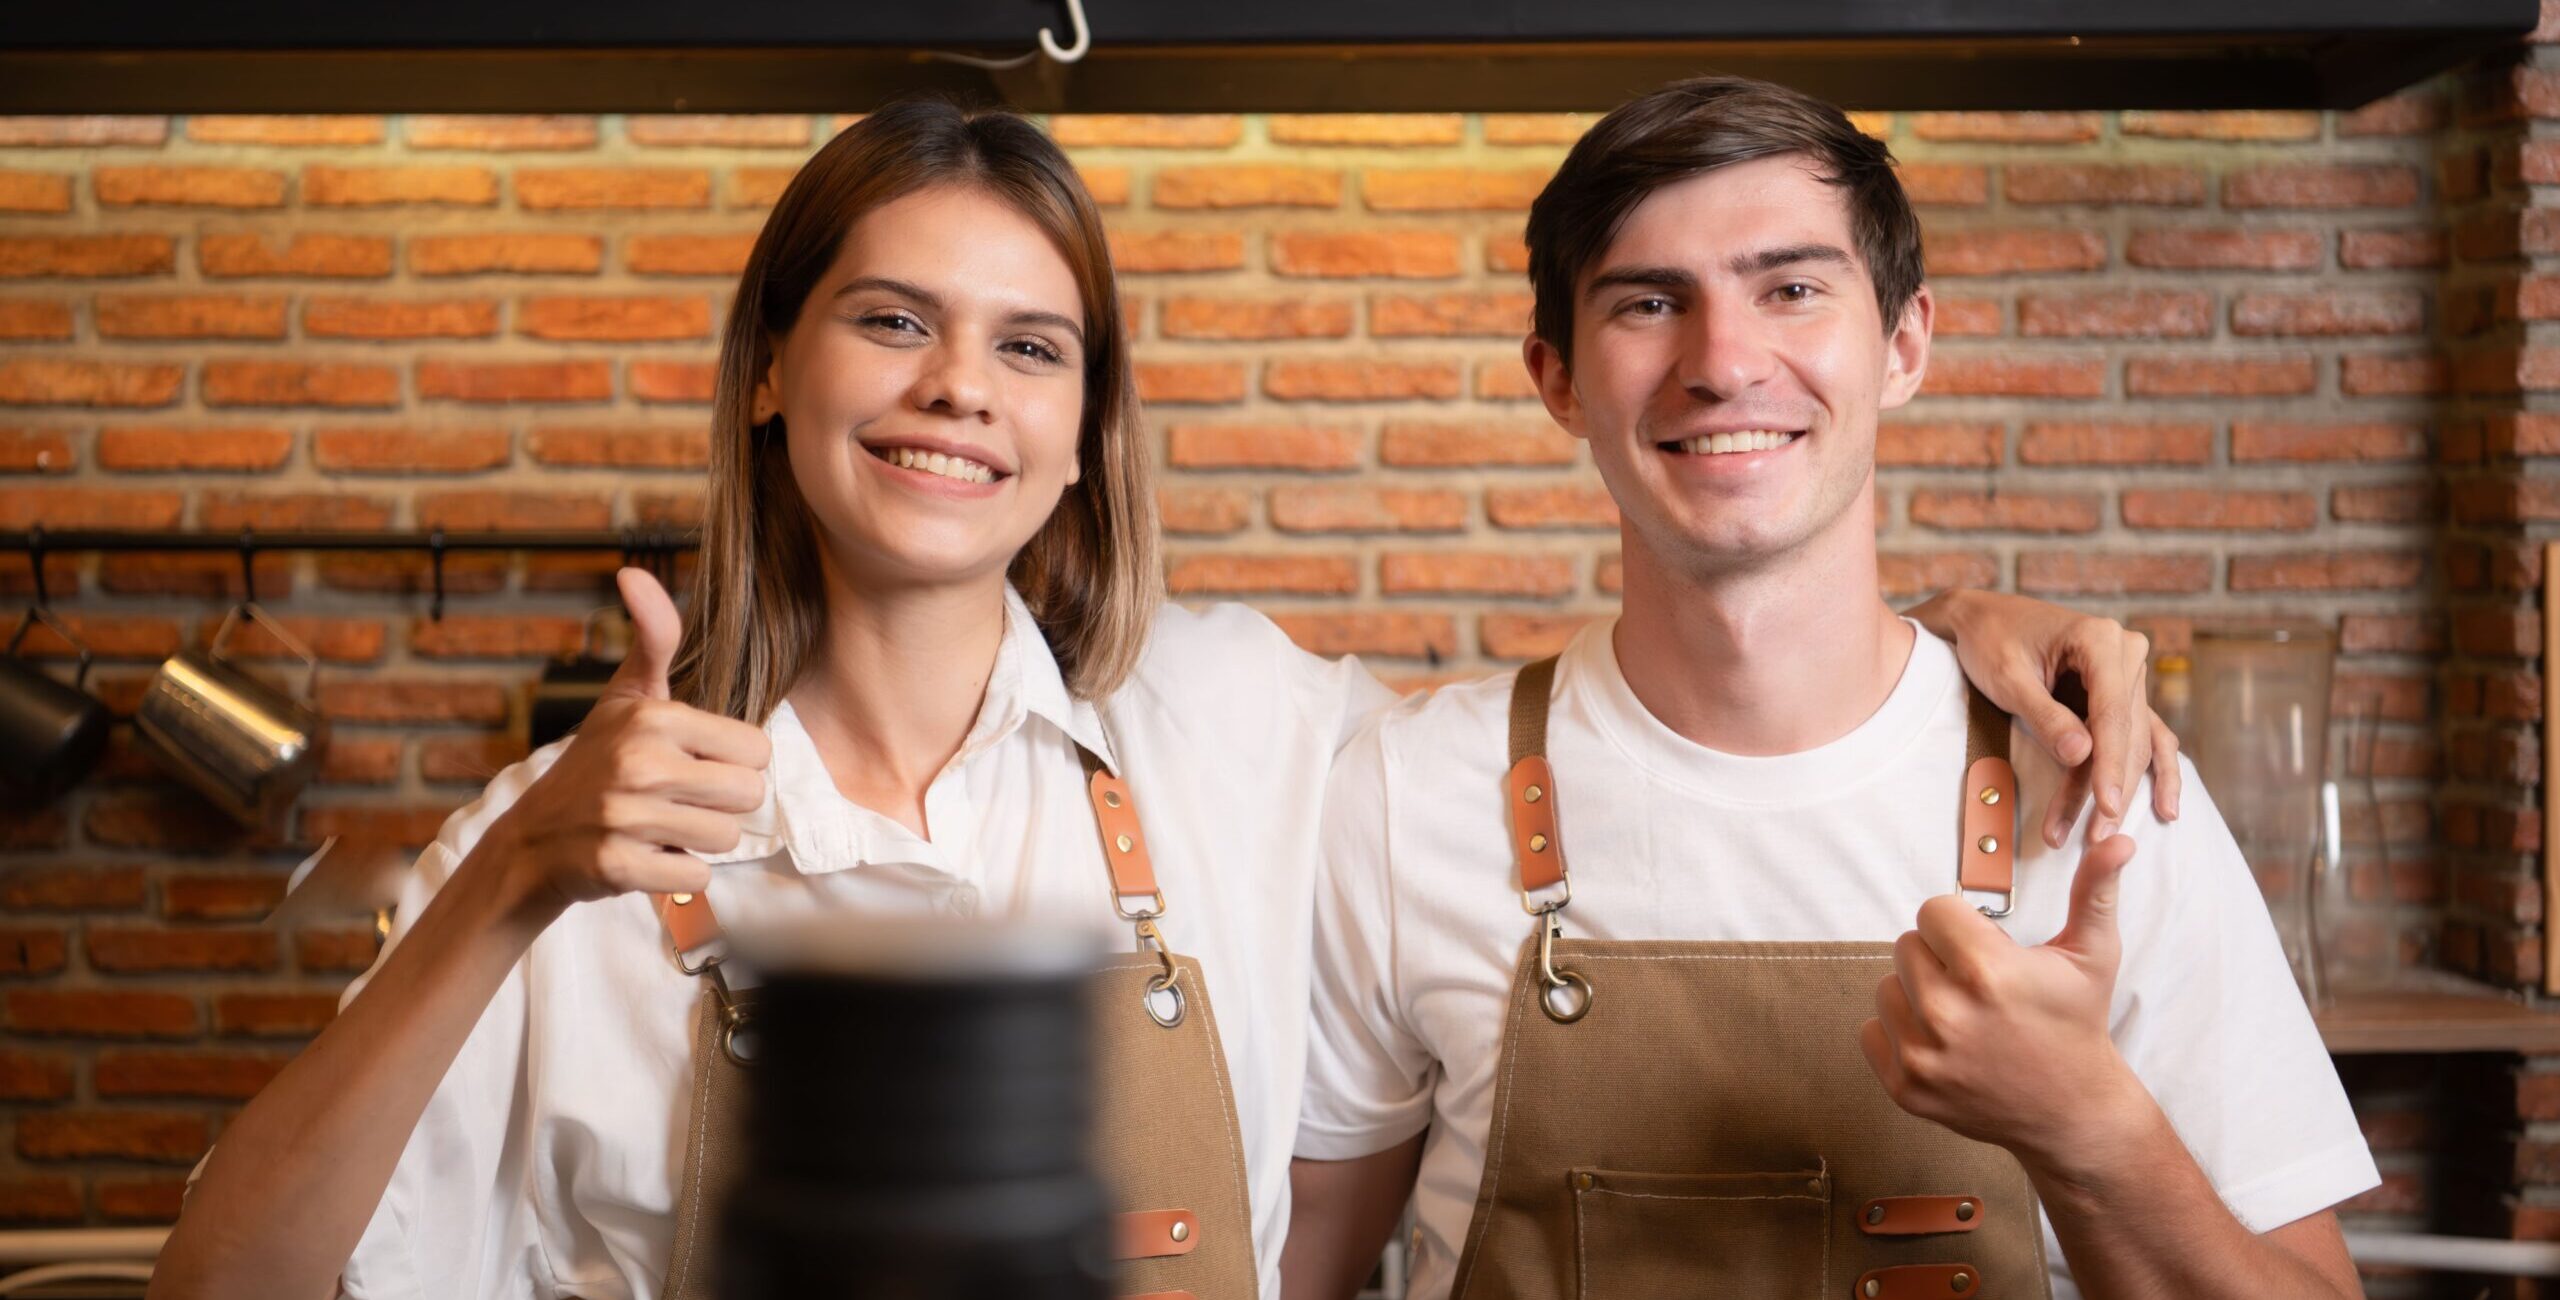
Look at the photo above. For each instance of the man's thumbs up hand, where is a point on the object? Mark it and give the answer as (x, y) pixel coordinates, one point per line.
(2002, 1043)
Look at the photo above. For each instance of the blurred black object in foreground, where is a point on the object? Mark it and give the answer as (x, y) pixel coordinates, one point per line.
(919, 1118)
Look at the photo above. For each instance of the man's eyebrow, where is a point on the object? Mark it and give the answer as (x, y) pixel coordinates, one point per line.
(1771, 259)
(919, 294)
(1640, 277)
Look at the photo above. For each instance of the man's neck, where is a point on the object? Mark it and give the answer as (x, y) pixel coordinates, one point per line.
(1771, 658)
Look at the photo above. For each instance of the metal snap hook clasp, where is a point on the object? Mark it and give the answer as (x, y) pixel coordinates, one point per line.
(737, 1028)
(1563, 994)
(1163, 997)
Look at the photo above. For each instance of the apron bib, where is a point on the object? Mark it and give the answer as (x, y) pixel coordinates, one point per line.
(1696, 1118)
(1167, 1143)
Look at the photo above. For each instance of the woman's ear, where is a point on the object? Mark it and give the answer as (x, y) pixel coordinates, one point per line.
(767, 401)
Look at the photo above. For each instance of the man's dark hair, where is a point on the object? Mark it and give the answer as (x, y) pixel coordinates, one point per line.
(1695, 126)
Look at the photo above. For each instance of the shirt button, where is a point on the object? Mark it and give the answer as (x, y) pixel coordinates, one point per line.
(964, 900)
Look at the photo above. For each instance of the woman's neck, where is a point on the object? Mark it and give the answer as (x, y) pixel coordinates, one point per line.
(898, 678)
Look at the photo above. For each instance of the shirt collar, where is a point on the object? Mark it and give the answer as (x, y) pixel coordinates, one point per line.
(823, 831)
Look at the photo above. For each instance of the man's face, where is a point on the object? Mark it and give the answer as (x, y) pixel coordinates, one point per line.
(1729, 360)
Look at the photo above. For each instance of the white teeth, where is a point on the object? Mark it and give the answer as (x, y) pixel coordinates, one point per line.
(1715, 444)
(937, 463)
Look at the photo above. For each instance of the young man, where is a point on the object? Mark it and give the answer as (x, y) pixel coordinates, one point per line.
(1606, 950)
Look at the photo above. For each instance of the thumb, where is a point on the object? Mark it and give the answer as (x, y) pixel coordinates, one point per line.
(2090, 933)
(655, 629)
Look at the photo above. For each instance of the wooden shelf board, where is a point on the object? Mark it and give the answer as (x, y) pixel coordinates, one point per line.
(2439, 1015)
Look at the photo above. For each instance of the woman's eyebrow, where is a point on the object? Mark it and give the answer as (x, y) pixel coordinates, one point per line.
(914, 292)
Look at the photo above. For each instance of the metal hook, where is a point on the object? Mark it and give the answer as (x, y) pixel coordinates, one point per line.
(435, 565)
(1048, 41)
(248, 566)
(1084, 36)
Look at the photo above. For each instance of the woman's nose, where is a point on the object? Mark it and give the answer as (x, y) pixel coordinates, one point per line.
(955, 382)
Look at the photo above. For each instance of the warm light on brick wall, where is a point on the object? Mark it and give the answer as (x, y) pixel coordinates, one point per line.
(2188, 364)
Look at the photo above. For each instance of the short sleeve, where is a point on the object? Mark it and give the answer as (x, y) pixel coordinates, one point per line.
(1369, 1077)
(2209, 1017)
(456, 1221)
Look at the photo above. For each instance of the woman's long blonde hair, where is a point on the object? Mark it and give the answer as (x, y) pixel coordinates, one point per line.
(1091, 576)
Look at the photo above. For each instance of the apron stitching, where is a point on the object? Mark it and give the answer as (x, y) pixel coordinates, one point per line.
(1226, 1107)
(1502, 1124)
(1665, 1196)
(701, 1123)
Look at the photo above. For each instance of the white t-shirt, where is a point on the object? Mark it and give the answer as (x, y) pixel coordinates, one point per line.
(546, 1164)
(1418, 920)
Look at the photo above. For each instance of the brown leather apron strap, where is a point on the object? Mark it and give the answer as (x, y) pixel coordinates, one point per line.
(1124, 841)
(1919, 1282)
(1987, 859)
(690, 923)
(1154, 1234)
(1916, 1216)
(1529, 787)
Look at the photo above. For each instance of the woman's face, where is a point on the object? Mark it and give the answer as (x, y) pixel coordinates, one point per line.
(932, 389)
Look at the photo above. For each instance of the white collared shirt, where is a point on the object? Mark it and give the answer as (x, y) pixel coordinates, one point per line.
(546, 1163)
(1419, 922)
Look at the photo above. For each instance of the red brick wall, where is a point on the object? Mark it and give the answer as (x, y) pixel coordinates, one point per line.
(2189, 364)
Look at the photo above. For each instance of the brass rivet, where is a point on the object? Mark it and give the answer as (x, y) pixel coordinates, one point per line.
(1533, 794)
(1990, 794)
(1125, 843)
(1111, 798)
(1537, 844)
(1181, 1230)
(1875, 1214)
(1988, 844)
(679, 899)
(1872, 1288)
(1813, 1184)
(1583, 1181)
(1964, 1211)
(1962, 1282)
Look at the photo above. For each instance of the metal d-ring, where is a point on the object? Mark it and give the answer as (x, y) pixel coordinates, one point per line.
(1563, 994)
(1164, 988)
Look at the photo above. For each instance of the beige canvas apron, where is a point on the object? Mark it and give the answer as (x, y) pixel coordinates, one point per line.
(1167, 1143)
(1675, 1119)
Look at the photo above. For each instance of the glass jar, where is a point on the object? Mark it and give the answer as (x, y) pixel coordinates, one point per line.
(2258, 730)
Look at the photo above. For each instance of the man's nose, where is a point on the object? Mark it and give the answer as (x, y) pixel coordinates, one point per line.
(1729, 351)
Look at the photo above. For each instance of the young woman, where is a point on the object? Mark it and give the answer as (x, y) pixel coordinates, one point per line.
(925, 670)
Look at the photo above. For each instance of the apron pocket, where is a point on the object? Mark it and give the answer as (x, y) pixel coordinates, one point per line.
(1642, 1236)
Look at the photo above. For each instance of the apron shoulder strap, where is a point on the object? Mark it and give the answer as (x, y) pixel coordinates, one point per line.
(1987, 860)
(1530, 785)
(1124, 841)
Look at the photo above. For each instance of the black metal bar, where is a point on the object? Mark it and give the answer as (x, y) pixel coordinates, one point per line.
(42, 541)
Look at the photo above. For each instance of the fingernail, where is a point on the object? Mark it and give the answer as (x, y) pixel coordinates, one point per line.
(2053, 835)
(2101, 829)
(2075, 749)
(2173, 806)
(2112, 798)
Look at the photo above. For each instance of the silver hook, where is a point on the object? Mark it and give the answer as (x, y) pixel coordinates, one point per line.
(1084, 36)
(1048, 45)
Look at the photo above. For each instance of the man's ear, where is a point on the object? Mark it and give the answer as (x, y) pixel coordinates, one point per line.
(1555, 383)
(1906, 350)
